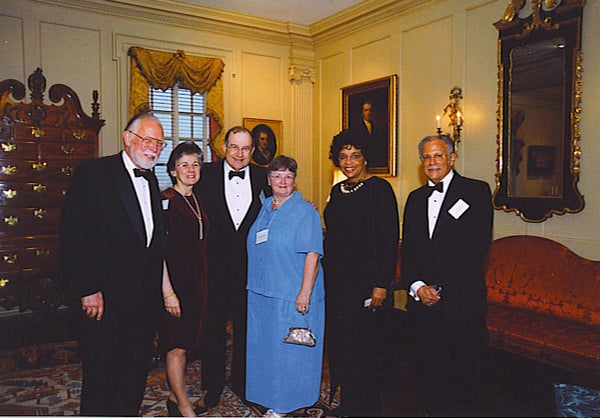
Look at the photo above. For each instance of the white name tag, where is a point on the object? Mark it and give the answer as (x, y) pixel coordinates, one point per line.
(165, 204)
(459, 208)
(262, 236)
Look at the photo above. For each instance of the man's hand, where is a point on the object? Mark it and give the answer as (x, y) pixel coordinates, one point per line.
(378, 295)
(93, 305)
(428, 295)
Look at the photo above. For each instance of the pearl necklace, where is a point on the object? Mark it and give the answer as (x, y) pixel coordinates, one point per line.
(196, 212)
(344, 188)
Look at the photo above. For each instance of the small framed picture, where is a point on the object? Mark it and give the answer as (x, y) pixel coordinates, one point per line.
(266, 137)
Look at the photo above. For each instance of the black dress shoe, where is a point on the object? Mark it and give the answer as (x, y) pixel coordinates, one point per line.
(173, 409)
(200, 410)
(211, 399)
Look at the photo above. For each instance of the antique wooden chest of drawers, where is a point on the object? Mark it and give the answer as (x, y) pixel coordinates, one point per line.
(41, 144)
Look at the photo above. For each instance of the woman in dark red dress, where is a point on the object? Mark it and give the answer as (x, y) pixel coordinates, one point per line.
(185, 273)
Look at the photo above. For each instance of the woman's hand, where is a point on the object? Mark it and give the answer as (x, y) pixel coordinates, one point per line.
(302, 302)
(172, 305)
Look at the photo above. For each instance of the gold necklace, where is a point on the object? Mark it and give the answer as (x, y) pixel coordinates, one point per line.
(277, 202)
(196, 212)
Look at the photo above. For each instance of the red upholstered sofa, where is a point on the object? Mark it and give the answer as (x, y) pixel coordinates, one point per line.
(544, 302)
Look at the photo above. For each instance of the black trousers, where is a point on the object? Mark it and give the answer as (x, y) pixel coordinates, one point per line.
(354, 340)
(115, 357)
(225, 304)
(449, 355)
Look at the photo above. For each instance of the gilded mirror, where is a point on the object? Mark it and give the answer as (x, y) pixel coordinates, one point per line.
(539, 108)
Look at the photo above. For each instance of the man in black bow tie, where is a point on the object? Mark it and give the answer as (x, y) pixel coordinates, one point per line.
(447, 230)
(232, 191)
(112, 242)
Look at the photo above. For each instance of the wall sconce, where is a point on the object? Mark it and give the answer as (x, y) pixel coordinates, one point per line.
(455, 116)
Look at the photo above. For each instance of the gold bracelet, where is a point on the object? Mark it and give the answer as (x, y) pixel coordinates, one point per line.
(169, 295)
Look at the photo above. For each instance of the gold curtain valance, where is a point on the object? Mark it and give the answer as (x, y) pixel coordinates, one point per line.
(163, 69)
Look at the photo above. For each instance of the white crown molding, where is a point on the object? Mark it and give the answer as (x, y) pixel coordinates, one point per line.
(301, 38)
(360, 16)
(197, 17)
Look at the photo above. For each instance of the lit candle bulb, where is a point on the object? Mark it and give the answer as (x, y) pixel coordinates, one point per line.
(458, 118)
(437, 119)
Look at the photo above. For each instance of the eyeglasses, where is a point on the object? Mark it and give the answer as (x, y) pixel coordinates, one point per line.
(235, 148)
(353, 157)
(149, 141)
(286, 177)
(185, 166)
(433, 157)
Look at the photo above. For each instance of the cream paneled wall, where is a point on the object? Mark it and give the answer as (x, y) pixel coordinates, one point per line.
(84, 44)
(263, 86)
(431, 45)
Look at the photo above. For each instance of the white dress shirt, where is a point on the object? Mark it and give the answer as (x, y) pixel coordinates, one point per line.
(142, 190)
(434, 204)
(238, 194)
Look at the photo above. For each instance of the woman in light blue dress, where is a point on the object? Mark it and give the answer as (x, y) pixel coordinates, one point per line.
(285, 289)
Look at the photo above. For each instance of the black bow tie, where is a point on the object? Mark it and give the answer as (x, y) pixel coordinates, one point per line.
(147, 174)
(439, 187)
(240, 174)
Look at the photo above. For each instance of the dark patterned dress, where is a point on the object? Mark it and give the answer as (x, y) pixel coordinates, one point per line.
(187, 265)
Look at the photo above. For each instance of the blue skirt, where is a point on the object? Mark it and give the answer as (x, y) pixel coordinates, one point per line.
(280, 376)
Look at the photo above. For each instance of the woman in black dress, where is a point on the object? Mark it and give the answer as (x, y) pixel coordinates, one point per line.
(185, 273)
(361, 245)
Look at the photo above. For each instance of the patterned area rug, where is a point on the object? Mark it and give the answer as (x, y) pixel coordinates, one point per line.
(576, 401)
(46, 380)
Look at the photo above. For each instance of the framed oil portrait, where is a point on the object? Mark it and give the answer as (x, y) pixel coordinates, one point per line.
(369, 108)
(266, 137)
(541, 161)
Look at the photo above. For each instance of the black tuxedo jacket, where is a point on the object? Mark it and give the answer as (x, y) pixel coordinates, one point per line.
(226, 245)
(454, 256)
(103, 242)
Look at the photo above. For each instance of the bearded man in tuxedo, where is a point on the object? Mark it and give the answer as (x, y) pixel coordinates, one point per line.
(112, 241)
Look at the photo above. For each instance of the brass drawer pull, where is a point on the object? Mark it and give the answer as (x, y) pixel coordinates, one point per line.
(10, 258)
(39, 166)
(80, 135)
(39, 213)
(67, 171)
(67, 149)
(9, 170)
(10, 193)
(42, 252)
(11, 221)
(9, 147)
(4, 282)
(40, 188)
(38, 132)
